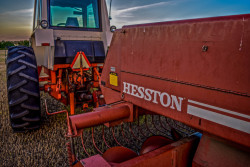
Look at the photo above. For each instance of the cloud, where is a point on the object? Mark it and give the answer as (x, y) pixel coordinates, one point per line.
(139, 14)
(16, 24)
(19, 12)
(128, 11)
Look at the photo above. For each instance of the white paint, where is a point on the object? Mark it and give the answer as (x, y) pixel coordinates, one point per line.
(134, 90)
(112, 69)
(162, 99)
(44, 36)
(156, 93)
(78, 61)
(220, 109)
(221, 119)
(176, 103)
(126, 88)
(141, 92)
(43, 74)
(153, 96)
(148, 93)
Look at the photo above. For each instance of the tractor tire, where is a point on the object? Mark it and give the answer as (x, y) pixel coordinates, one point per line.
(23, 89)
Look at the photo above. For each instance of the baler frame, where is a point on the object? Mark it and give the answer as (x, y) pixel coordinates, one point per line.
(173, 87)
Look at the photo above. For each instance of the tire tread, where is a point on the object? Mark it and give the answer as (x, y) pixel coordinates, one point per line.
(23, 89)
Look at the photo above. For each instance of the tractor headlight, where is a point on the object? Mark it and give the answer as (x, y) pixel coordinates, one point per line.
(112, 28)
(44, 24)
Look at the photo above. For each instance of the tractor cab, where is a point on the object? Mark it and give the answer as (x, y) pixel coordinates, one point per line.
(62, 28)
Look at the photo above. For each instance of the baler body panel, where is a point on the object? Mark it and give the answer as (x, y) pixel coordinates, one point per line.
(194, 71)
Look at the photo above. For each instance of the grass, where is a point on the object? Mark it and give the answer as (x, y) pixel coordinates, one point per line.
(2, 60)
(2, 56)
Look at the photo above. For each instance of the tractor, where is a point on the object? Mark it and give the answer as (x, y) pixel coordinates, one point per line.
(69, 43)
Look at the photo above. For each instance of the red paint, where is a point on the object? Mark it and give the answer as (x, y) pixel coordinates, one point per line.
(95, 161)
(45, 44)
(153, 143)
(214, 152)
(118, 154)
(100, 116)
(168, 57)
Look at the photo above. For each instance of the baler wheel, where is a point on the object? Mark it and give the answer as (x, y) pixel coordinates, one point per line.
(23, 89)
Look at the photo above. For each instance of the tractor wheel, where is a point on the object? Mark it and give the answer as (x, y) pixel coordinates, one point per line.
(23, 89)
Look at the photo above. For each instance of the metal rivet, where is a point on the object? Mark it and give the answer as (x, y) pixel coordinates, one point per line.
(204, 48)
(123, 95)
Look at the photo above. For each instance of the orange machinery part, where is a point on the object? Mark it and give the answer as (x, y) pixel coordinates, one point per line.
(56, 86)
(99, 116)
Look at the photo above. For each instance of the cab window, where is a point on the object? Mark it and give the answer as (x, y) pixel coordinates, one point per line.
(74, 13)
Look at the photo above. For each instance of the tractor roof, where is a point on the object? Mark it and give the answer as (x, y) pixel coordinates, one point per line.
(70, 3)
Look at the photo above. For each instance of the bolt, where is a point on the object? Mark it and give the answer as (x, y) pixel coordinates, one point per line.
(204, 48)
(49, 89)
(123, 95)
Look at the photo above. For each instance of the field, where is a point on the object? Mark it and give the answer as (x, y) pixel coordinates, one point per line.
(47, 146)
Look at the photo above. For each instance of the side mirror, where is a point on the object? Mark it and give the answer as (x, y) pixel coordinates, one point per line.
(112, 28)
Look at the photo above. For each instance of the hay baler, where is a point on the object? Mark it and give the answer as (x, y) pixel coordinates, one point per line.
(68, 47)
(193, 71)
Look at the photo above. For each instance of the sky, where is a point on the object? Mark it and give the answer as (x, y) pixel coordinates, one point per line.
(16, 15)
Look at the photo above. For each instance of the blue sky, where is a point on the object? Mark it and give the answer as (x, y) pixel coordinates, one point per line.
(16, 15)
